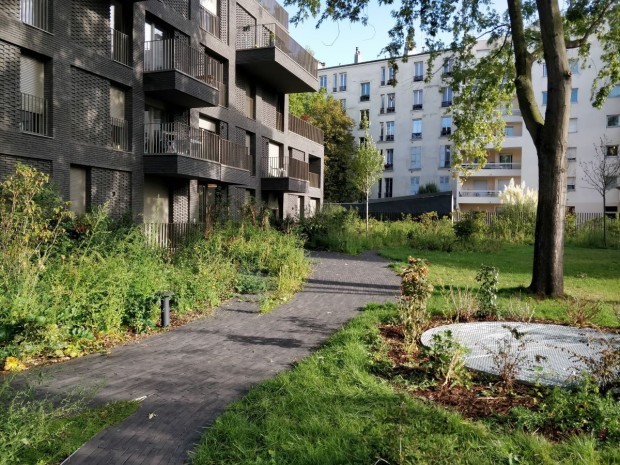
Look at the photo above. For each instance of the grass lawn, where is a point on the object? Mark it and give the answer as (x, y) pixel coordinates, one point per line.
(592, 274)
(331, 409)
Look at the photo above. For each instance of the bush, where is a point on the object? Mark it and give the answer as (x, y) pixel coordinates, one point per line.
(471, 228)
(415, 292)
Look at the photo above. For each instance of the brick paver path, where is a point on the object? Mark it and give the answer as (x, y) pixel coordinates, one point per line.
(189, 375)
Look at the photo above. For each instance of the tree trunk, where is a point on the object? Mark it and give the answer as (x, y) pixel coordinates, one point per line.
(604, 219)
(366, 213)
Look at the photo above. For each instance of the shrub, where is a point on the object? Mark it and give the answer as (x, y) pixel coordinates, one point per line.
(471, 227)
(415, 292)
(444, 358)
(488, 277)
(429, 188)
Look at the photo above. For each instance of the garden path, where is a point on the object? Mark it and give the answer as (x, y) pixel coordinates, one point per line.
(187, 376)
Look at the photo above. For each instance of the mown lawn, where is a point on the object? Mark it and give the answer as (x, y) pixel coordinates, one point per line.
(331, 409)
(591, 274)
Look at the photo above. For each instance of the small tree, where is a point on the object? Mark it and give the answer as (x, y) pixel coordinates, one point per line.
(601, 173)
(367, 166)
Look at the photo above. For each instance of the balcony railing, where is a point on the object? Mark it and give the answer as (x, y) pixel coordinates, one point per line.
(210, 23)
(276, 10)
(418, 78)
(119, 134)
(390, 109)
(180, 139)
(34, 115)
(285, 167)
(173, 54)
(272, 35)
(35, 13)
(446, 103)
(119, 47)
(417, 106)
(364, 98)
(493, 166)
(477, 193)
(305, 129)
(389, 137)
(315, 179)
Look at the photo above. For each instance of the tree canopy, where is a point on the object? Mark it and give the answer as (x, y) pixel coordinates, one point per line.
(529, 31)
(327, 113)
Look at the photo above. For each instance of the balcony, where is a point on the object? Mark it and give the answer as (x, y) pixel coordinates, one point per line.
(390, 109)
(478, 196)
(446, 131)
(267, 52)
(389, 137)
(417, 106)
(416, 135)
(446, 103)
(305, 129)
(35, 13)
(418, 78)
(181, 74)
(285, 174)
(119, 134)
(180, 150)
(210, 23)
(276, 10)
(388, 167)
(364, 98)
(120, 50)
(35, 115)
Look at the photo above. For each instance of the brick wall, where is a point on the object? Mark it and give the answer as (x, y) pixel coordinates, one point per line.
(180, 6)
(90, 108)
(223, 6)
(298, 154)
(10, 8)
(111, 187)
(180, 202)
(10, 97)
(269, 107)
(8, 165)
(243, 19)
(90, 25)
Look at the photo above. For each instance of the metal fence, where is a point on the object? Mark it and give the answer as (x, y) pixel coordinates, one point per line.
(210, 23)
(35, 13)
(34, 115)
(174, 54)
(272, 35)
(120, 47)
(171, 235)
(285, 167)
(119, 134)
(305, 129)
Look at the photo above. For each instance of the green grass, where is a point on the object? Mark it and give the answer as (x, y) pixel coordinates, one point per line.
(331, 409)
(592, 274)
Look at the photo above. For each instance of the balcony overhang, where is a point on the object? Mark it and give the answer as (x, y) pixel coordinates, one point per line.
(180, 89)
(275, 67)
(183, 166)
(284, 184)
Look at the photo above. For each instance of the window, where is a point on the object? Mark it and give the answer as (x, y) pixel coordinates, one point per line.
(414, 185)
(365, 93)
(391, 76)
(445, 158)
(119, 137)
(343, 103)
(379, 188)
(364, 116)
(418, 71)
(505, 160)
(335, 88)
(382, 103)
(78, 186)
(611, 151)
(34, 104)
(389, 159)
(544, 98)
(389, 130)
(573, 63)
(388, 187)
(391, 103)
(448, 64)
(571, 153)
(544, 69)
(615, 91)
(446, 125)
(381, 131)
(418, 99)
(444, 183)
(570, 183)
(446, 97)
(35, 13)
(323, 82)
(509, 131)
(416, 130)
(343, 82)
(572, 125)
(574, 95)
(613, 121)
(383, 75)
(416, 158)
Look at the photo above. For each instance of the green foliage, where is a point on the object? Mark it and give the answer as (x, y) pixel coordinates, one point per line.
(444, 358)
(429, 188)
(326, 113)
(488, 277)
(414, 293)
(471, 228)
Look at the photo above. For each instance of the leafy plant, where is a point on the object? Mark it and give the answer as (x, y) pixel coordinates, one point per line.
(488, 277)
(415, 291)
(444, 358)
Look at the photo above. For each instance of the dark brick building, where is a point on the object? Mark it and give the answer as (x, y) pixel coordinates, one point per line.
(155, 106)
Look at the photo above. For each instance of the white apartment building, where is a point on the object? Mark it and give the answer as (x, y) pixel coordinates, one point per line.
(411, 124)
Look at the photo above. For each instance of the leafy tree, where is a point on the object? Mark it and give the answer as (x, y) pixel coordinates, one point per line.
(528, 32)
(326, 113)
(367, 166)
(601, 174)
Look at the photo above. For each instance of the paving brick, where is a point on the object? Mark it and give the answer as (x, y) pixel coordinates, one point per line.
(191, 373)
